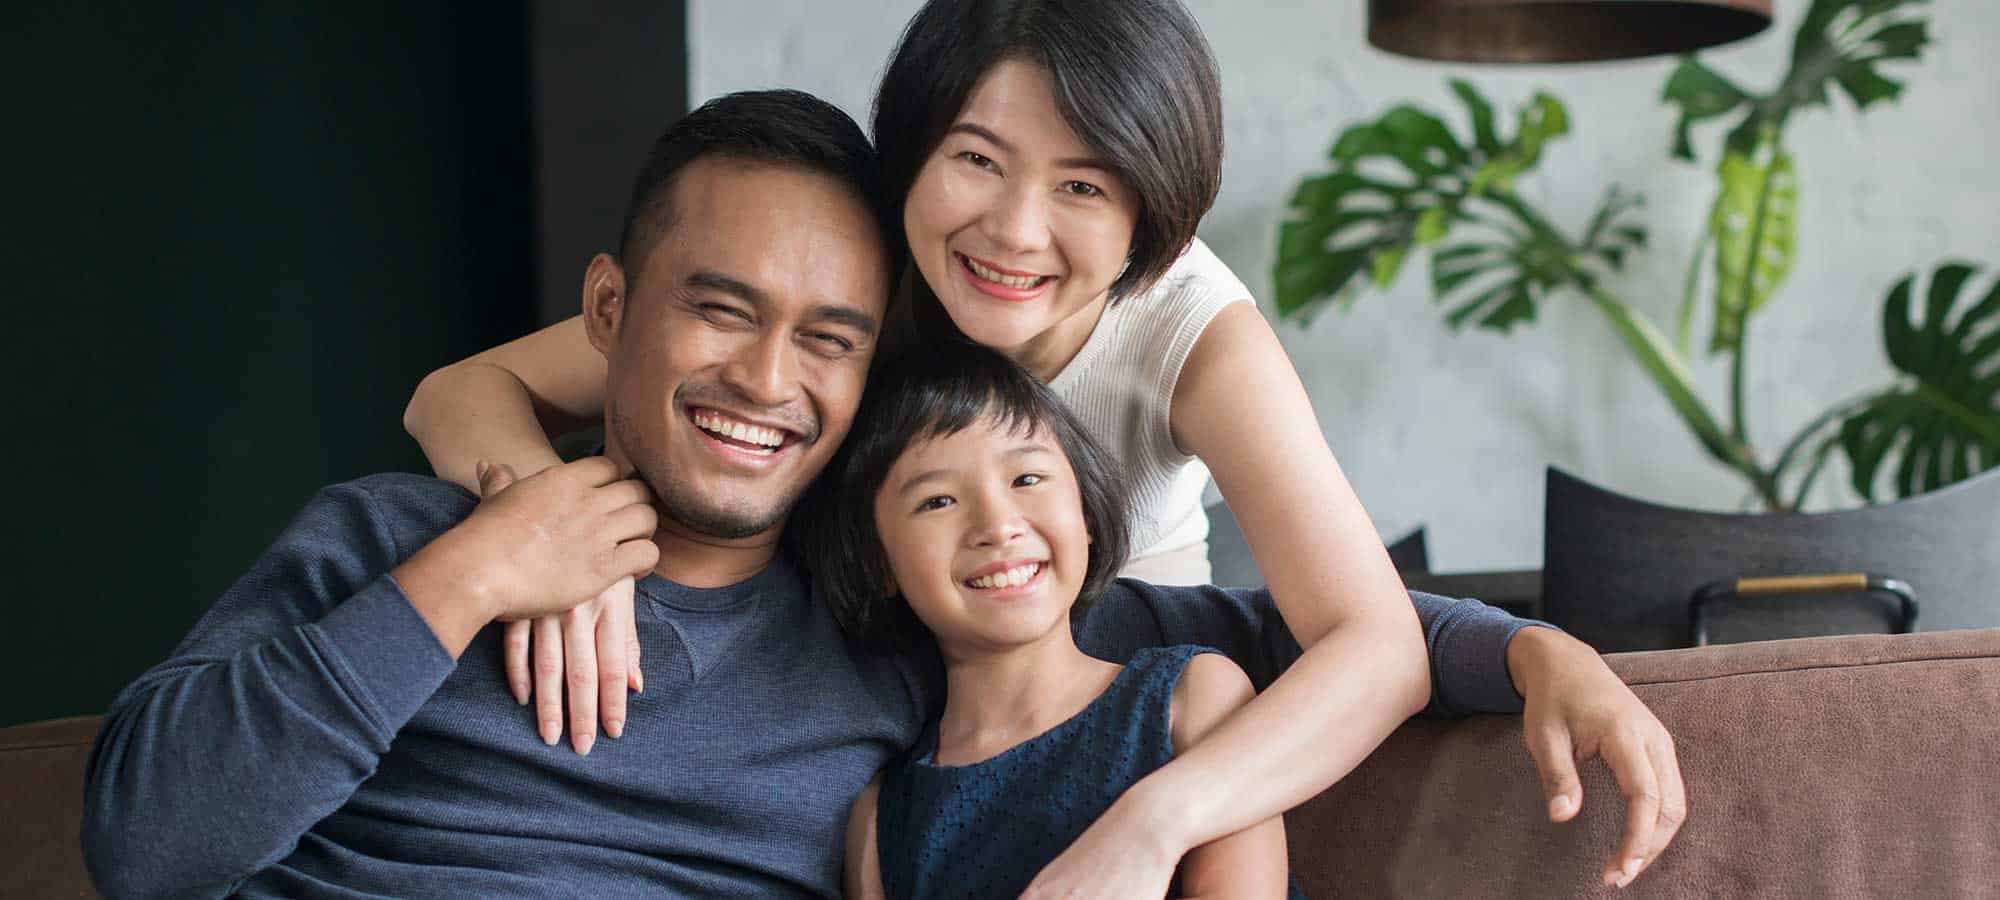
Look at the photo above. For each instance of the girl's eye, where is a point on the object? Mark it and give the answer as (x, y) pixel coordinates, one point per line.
(976, 159)
(1082, 189)
(1029, 480)
(931, 503)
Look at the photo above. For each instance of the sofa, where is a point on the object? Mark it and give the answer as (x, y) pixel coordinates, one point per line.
(1854, 766)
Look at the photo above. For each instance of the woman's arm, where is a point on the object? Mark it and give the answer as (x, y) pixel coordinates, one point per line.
(503, 405)
(1365, 669)
(863, 880)
(1251, 862)
(1240, 407)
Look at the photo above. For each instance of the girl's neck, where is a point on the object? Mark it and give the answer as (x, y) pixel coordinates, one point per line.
(1048, 353)
(997, 699)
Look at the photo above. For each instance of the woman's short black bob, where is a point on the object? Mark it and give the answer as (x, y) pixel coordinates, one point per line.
(1133, 78)
(917, 394)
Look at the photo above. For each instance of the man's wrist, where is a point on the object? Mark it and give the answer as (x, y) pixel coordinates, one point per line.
(1534, 652)
(456, 599)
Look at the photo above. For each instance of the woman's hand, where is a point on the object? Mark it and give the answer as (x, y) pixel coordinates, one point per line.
(1578, 709)
(1125, 853)
(598, 642)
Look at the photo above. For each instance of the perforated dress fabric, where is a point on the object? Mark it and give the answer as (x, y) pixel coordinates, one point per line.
(986, 829)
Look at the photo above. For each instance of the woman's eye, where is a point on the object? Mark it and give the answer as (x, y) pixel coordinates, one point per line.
(1082, 189)
(976, 159)
(931, 503)
(1029, 480)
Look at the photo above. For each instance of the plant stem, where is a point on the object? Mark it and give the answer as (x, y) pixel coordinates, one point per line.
(1686, 325)
(1738, 421)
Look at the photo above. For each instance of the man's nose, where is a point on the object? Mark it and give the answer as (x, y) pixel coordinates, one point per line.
(766, 371)
(1019, 220)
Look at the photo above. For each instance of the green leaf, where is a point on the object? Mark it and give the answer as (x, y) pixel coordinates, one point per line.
(1901, 40)
(1433, 224)
(1864, 85)
(1406, 134)
(1702, 94)
(1826, 48)
(1755, 227)
(1482, 116)
(1943, 423)
(1389, 261)
(1544, 119)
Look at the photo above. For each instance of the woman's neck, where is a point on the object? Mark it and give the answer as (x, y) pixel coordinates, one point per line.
(1048, 353)
(997, 699)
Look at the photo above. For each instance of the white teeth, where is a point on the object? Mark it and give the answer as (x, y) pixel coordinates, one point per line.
(1018, 282)
(753, 434)
(1014, 577)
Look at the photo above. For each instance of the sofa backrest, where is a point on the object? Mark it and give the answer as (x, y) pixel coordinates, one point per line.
(1852, 766)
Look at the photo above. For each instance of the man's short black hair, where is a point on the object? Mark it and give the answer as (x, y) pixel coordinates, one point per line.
(920, 393)
(781, 127)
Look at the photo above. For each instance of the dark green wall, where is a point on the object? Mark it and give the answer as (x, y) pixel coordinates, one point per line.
(234, 241)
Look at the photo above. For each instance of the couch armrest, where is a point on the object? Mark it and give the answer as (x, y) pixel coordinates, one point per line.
(1846, 766)
(41, 807)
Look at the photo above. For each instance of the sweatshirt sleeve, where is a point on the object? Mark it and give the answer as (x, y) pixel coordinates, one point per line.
(1467, 639)
(273, 710)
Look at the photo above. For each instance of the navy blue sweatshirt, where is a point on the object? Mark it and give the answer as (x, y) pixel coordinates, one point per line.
(311, 737)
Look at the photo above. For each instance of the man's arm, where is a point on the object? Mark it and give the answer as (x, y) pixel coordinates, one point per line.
(271, 712)
(1467, 639)
(284, 697)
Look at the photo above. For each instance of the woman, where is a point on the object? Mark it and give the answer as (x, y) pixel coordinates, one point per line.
(1051, 159)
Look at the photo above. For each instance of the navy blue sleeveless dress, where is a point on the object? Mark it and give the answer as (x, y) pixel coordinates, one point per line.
(986, 829)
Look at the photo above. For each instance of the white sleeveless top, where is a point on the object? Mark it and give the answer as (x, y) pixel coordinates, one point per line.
(1121, 386)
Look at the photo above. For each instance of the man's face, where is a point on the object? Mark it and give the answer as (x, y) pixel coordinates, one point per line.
(737, 359)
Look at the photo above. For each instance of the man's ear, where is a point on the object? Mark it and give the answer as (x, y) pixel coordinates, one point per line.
(604, 299)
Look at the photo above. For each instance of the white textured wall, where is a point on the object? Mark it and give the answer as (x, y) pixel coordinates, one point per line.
(1453, 431)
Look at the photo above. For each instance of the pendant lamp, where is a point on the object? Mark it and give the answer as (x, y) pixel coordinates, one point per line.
(1559, 31)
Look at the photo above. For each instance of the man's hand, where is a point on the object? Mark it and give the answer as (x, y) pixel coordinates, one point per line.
(599, 641)
(1577, 709)
(535, 546)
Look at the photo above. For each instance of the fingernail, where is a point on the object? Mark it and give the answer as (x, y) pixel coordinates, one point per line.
(1631, 868)
(639, 680)
(613, 729)
(549, 733)
(521, 696)
(1561, 806)
(584, 743)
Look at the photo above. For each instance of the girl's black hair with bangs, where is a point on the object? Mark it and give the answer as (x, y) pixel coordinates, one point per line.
(917, 394)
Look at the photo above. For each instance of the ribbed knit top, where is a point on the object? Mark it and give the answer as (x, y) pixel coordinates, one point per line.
(1121, 386)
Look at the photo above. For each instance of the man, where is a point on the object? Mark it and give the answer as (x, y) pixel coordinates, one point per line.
(338, 723)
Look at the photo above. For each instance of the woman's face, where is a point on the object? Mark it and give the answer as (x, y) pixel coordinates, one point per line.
(1012, 221)
(985, 535)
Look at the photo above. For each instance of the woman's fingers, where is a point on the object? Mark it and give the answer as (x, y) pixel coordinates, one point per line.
(548, 668)
(613, 669)
(1555, 760)
(1626, 754)
(514, 649)
(580, 678)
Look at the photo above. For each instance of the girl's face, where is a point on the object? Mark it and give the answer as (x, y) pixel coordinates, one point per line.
(1013, 223)
(985, 535)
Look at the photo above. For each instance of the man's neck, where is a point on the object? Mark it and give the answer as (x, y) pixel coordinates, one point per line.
(703, 561)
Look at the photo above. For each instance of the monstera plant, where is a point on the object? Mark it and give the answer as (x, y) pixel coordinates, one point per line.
(1407, 183)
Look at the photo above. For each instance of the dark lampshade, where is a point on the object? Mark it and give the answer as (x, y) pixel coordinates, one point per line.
(1557, 31)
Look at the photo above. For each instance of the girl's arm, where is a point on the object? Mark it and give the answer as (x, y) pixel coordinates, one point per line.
(863, 880)
(1251, 862)
(504, 404)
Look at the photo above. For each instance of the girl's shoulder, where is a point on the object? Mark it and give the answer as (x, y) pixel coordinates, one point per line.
(1210, 687)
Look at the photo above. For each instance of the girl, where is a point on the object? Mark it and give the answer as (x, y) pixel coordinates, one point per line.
(969, 500)
(1051, 159)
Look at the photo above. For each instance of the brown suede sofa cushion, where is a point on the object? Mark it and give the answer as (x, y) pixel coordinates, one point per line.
(1864, 766)
(1858, 766)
